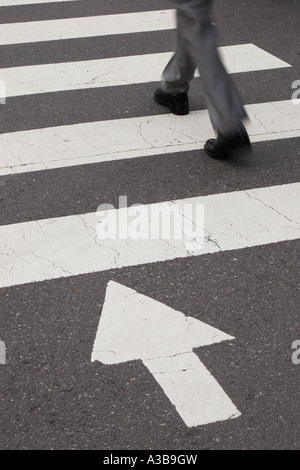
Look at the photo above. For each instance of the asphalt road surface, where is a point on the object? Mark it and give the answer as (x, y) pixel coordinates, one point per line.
(195, 349)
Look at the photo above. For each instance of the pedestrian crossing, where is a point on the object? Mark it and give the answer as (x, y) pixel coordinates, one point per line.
(55, 174)
(52, 248)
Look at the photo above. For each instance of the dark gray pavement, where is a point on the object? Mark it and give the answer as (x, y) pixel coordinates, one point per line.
(51, 395)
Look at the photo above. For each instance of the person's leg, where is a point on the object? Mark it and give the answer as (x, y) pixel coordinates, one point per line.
(197, 47)
(181, 68)
(198, 35)
(224, 103)
(176, 76)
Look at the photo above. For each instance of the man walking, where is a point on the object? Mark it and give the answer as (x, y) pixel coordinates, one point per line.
(197, 48)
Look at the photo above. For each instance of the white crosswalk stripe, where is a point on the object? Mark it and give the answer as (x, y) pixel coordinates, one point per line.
(70, 28)
(78, 144)
(52, 248)
(120, 71)
(11, 3)
(69, 246)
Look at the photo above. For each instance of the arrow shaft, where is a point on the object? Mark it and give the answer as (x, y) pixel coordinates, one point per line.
(196, 395)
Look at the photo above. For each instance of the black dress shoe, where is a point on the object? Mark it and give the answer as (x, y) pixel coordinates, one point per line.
(178, 103)
(222, 146)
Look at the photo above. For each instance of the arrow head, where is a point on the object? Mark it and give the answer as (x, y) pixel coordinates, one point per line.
(133, 326)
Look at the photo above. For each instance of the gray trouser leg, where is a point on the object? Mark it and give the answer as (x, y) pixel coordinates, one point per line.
(197, 48)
